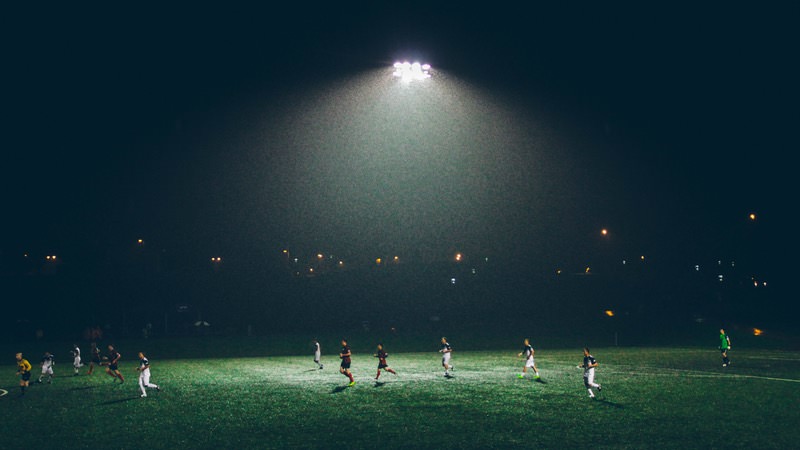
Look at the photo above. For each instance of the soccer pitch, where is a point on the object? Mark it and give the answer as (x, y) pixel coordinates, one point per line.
(651, 398)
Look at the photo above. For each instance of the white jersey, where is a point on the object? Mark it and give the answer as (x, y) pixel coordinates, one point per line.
(47, 364)
(76, 353)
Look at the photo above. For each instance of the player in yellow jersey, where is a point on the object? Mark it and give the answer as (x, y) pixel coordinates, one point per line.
(24, 372)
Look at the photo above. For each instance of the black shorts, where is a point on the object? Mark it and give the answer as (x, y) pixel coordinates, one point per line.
(345, 364)
(113, 367)
(723, 350)
(382, 365)
(25, 376)
(96, 360)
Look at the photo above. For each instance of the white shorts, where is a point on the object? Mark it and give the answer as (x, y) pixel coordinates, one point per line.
(316, 356)
(47, 370)
(530, 363)
(446, 359)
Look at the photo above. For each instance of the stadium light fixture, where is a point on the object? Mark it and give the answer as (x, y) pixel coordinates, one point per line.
(408, 72)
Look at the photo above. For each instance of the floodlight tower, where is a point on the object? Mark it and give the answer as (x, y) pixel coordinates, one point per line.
(408, 72)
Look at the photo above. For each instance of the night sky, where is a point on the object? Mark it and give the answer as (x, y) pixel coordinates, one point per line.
(219, 131)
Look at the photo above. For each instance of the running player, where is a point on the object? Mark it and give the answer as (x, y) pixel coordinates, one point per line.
(76, 358)
(381, 355)
(48, 361)
(144, 375)
(24, 372)
(588, 366)
(95, 351)
(113, 364)
(446, 350)
(317, 353)
(344, 368)
(528, 351)
(724, 346)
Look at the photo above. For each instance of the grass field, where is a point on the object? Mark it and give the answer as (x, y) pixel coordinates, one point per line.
(651, 398)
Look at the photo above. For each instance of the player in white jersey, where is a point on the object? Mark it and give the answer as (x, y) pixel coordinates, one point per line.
(317, 353)
(446, 350)
(528, 352)
(144, 375)
(48, 361)
(76, 361)
(588, 366)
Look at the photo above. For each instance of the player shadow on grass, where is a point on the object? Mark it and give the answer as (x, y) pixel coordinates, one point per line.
(119, 400)
(82, 388)
(338, 389)
(603, 401)
(379, 384)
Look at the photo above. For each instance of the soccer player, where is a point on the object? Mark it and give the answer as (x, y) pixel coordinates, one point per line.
(724, 346)
(588, 366)
(317, 353)
(446, 350)
(76, 361)
(95, 351)
(24, 372)
(381, 355)
(344, 368)
(113, 364)
(144, 375)
(48, 361)
(528, 351)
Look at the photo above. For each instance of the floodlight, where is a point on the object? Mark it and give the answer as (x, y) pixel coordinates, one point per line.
(407, 71)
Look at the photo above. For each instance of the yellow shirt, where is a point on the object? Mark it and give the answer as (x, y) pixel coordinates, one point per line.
(23, 365)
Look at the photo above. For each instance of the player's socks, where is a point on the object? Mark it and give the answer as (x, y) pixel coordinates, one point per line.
(378, 375)
(391, 371)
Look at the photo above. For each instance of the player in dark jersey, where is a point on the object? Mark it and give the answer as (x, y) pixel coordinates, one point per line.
(94, 350)
(113, 364)
(144, 375)
(344, 368)
(530, 361)
(446, 350)
(24, 372)
(382, 355)
(588, 366)
(48, 361)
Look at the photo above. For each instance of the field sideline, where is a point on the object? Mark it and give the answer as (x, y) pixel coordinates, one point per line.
(651, 398)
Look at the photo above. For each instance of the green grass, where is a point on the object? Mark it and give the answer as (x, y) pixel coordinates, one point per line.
(652, 398)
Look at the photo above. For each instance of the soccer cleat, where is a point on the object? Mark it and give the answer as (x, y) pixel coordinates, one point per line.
(158, 389)
(143, 395)
(352, 383)
(599, 388)
(520, 376)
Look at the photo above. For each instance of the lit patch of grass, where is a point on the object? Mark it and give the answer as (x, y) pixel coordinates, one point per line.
(652, 398)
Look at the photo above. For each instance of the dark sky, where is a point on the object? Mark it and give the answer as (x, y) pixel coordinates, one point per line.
(217, 129)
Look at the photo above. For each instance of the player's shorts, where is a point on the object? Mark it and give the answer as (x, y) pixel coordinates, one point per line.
(47, 370)
(113, 367)
(723, 350)
(345, 364)
(25, 376)
(96, 359)
(382, 365)
(446, 358)
(530, 363)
